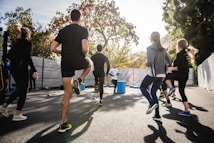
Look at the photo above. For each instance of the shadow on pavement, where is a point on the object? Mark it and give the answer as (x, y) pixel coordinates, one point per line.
(83, 119)
(157, 133)
(195, 131)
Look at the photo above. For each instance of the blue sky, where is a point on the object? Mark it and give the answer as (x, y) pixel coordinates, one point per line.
(146, 15)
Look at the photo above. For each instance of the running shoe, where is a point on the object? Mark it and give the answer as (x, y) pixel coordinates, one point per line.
(184, 113)
(101, 104)
(157, 118)
(64, 127)
(171, 90)
(161, 97)
(167, 104)
(76, 86)
(173, 95)
(19, 117)
(4, 112)
(151, 108)
(96, 89)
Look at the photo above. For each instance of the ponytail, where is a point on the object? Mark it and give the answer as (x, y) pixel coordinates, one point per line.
(24, 32)
(182, 43)
(155, 36)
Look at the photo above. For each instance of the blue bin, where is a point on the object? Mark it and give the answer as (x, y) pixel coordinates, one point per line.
(82, 86)
(121, 87)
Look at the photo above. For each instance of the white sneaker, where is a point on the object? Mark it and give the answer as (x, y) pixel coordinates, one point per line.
(19, 117)
(151, 108)
(4, 112)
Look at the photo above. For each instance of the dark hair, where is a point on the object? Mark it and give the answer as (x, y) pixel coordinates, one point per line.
(24, 32)
(155, 36)
(182, 43)
(99, 47)
(75, 15)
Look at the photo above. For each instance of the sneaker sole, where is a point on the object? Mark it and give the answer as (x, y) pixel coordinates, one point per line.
(184, 115)
(157, 119)
(151, 109)
(76, 87)
(18, 119)
(64, 130)
(170, 93)
(166, 105)
(77, 91)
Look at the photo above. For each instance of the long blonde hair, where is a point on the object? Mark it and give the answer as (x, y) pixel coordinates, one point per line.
(21, 31)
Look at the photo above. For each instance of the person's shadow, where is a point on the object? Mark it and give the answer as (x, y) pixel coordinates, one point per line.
(195, 131)
(158, 133)
(81, 117)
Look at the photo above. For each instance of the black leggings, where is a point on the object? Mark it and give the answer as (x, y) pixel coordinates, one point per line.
(20, 76)
(100, 79)
(182, 79)
(115, 84)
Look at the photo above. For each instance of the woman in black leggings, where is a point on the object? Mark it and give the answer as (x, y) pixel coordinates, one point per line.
(180, 72)
(20, 58)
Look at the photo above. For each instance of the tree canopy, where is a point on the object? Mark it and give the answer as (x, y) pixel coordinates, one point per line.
(193, 20)
(105, 26)
(101, 18)
(40, 38)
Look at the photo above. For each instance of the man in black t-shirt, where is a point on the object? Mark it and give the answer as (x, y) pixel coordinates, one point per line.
(74, 41)
(99, 60)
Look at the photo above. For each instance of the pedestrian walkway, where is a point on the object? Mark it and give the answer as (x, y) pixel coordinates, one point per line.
(121, 119)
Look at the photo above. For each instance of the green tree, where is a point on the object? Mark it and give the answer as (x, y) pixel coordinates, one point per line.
(193, 20)
(105, 26)
(40, 38)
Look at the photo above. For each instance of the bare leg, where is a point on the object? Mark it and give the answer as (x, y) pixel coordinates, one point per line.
(87, 70)
(168, 83)
(66, 99)
(186, 106)
(18, 112)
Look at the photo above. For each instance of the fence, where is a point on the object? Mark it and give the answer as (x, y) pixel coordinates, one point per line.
(50, 75)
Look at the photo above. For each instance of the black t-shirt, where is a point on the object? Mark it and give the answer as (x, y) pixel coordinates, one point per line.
(181, 61)
(99, 61)
(71, 38)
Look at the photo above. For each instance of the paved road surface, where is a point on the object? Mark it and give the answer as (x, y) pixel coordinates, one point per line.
(122, 119)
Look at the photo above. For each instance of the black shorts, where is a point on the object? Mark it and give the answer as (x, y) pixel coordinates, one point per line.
(68, 69)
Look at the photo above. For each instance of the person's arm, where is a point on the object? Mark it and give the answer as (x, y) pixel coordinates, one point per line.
(54, 47)
(172, 69)
(108, 66)
(35, 74)
(85, 47)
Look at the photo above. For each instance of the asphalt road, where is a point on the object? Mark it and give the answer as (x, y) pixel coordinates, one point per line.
(122, 119)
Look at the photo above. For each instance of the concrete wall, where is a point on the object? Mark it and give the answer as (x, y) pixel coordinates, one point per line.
(206, 74)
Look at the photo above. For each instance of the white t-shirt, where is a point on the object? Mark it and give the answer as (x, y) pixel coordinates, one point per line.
(113, 73)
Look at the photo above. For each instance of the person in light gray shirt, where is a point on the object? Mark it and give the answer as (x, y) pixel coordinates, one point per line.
(157, 61)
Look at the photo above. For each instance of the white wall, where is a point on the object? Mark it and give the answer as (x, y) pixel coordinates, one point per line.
(206, 74)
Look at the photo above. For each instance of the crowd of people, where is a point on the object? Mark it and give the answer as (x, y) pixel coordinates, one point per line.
(74, 51)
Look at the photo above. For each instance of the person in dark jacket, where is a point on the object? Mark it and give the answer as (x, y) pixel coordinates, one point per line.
(99, 60)
(4, 80)
(180, 71)
(20, 59)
